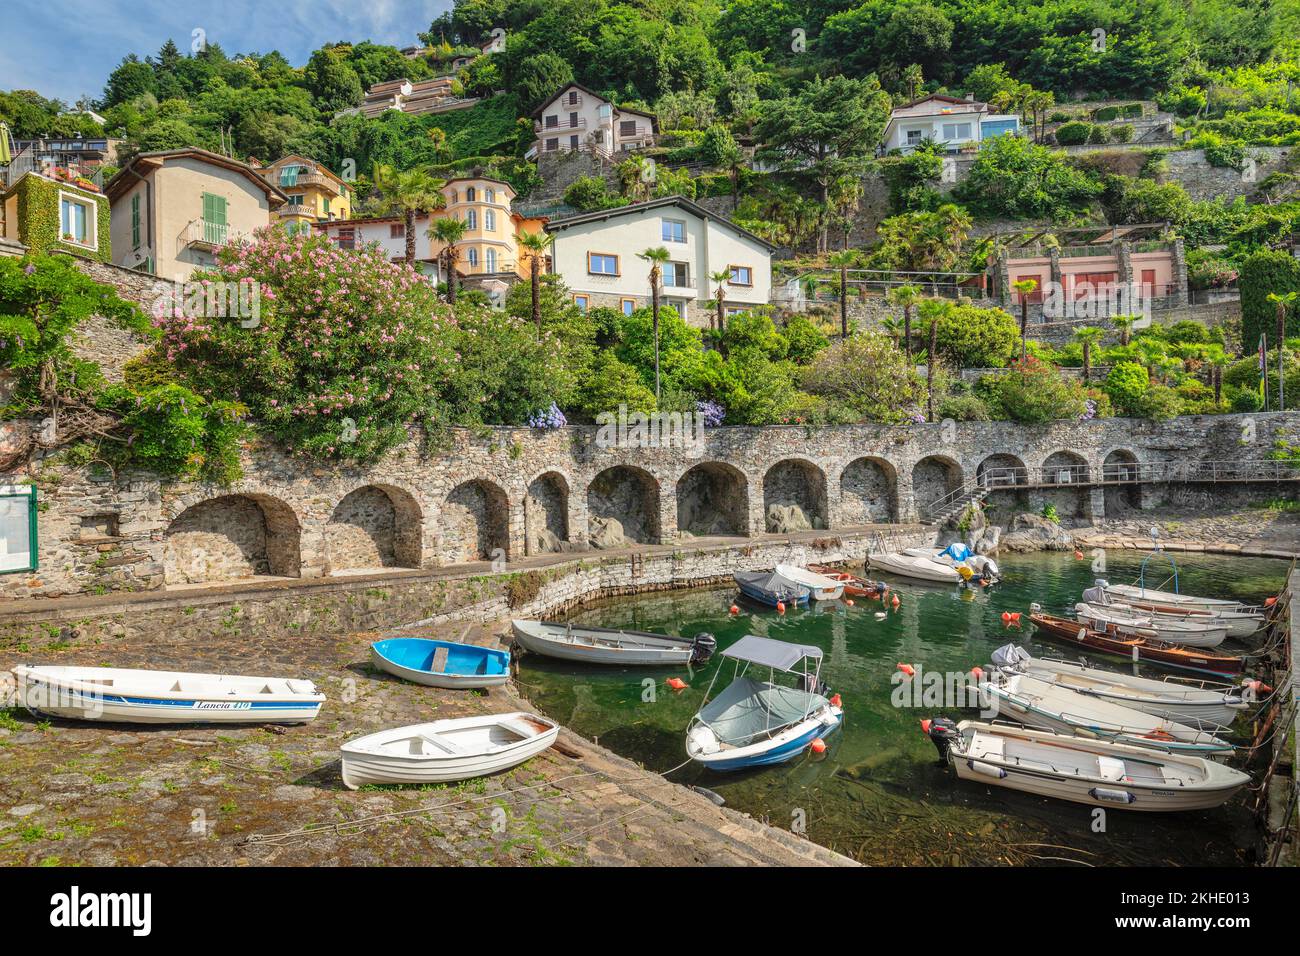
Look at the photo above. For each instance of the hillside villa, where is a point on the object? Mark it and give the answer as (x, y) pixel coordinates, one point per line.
(55, 210)
(315, 192)
(595, 253)
(578, 118)
(956, 124)
(172, 210)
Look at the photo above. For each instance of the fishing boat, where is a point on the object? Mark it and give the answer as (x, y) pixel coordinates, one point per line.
(121, 695)
(820, 587)
(441, 663)
(1039, 703)
(1134, 648)
(1093, 772)
(756, 722)
(446, 750)
(913, 566)
(607, 645)
(1192, 702)
(854, 586)
(1131, 622)
(771, 588)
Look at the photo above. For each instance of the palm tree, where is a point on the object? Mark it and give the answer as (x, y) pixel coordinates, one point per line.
(1282, 302)
(842, 260)
(534, 245)
(906, 296)
(720, 278)
(1026, 288)
(449, 232)
(1218, 360)
(408, 193)
(656, 257)
(1088, 336)
(1124, 324)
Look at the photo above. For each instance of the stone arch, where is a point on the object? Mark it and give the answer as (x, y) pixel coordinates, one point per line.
(475, 523)
(712, 499)
(1120, 470)
(1002, 469)
(794, 496)
(374, 526)
(868, 492)
(546, 513)
(1065, 468)
(933, 478)
(230, 538)
(623, 507)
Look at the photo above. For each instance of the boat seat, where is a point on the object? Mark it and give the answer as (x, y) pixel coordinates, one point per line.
(519, 729)
(439, 664)
(444, 745)
(1110, 768)
(984, 746)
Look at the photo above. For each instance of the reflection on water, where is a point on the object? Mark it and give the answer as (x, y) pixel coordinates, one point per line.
(878, 793)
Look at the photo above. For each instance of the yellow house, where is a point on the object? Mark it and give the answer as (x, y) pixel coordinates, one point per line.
(315, 193)
(488, 246)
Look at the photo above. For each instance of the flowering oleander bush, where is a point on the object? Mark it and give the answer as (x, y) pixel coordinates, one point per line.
(346, 353)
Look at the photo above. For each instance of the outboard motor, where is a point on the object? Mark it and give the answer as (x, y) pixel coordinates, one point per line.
(942, 733)
(702, 647)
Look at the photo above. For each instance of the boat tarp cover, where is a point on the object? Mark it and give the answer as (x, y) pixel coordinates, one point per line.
(1009, 655)
(772, 582)
(957, 551)
(780, 655)
(748, 708)
(1096, 595)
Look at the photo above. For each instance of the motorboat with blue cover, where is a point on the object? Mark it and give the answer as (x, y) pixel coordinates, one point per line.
(772, 588)
(441, 663)
(756, 722)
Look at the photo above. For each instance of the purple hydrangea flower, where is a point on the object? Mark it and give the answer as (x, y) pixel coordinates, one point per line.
(712, 413)
(548, 419)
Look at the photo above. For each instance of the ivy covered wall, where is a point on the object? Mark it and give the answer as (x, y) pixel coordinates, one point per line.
(38, 217)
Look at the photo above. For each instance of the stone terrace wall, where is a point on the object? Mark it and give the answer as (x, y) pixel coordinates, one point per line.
(295, 520)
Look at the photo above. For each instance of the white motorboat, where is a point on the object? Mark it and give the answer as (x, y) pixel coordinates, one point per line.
(446, 750)
(117, 694)
(1050, 706)
(820, 587)
(605, 645)
(1130, 593)
(913, 566)
(1194, 703)
(1114, 619)
(1239, 623)
(958, 556)
(1094, 772)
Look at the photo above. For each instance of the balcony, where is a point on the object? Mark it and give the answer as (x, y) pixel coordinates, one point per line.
(210, 236)
(563, 127)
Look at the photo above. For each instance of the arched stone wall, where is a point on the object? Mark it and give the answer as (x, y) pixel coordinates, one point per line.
(629, 496)
(475, 523)
(868, 492)
(1066, 468)
(713, 499)
(794, 496)
(1002, 468)
(232, 537)
(934, 477)
(546, 513)
(375, 526)
(1120, 465)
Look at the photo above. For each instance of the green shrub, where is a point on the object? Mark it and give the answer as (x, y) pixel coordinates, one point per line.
(1121, 133)
(1263, 272)
(1126, 384)
(1073, 133)
(1034, 392)
(1105, 114)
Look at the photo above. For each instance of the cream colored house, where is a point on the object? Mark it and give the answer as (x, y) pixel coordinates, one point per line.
(596, 254)
(579, 119)
(173, 210)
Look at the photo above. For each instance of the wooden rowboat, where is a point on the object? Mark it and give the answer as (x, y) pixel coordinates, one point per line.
(1135, 648)
(854, 586)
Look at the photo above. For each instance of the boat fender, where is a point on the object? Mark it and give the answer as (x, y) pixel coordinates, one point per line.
(1078, 555)
(836, 701)
(1111, 796)
(896, 602)
(942, 732)
(977, 672)
(780, 607)
(703, 647)
(881, 615)
(987, 769)
(1269, 602)
(818, 746)
(676, 683)
(1258, 686)
(849, 601)
(907, 669)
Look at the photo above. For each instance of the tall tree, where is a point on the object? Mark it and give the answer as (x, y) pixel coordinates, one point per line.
(1026, 288)
(534, 245)
(1282, 302)
(656, 257)
(1088, 336)
(408, 193)
(720, 278)
(842, 260)
(449, 232)
(905, 296)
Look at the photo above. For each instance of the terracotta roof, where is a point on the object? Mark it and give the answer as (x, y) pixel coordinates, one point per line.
(555, 225)
(149, 161)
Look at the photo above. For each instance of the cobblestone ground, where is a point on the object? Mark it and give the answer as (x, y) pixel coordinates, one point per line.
(86, 794)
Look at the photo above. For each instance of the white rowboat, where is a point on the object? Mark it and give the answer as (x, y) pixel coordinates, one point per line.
(116, 694)
(913, 566)
(821, 587)
(1130, 592)
(602, 645)
(446, 750)
(1114, 619)
(1093, 772)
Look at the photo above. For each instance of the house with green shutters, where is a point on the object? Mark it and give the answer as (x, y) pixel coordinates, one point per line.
(173, 210)
(57, 210)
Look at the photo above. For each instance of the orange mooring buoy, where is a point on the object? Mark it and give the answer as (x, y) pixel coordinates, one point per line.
(835, 700)
(818, 746)
(1078, 555)
(734, 610)
(676, 683)
(1015, 618)
(849, 601)
(907, 669)
(977, 672)
(780, 607)
(1006, 617)
(896, 602)
(925, 725)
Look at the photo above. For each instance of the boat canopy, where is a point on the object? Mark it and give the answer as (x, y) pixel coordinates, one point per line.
(749, 708)
(1009, 655)
(779, 655)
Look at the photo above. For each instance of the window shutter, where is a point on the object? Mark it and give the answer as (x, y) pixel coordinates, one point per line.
(135, 221)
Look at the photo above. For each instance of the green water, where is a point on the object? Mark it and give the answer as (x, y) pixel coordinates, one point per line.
(878, 793)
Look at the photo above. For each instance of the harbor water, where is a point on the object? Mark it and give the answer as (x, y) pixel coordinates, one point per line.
(878, 793)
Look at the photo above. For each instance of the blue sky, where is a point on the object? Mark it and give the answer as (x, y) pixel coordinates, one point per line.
(67, 48)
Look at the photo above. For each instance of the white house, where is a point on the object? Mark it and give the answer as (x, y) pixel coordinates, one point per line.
(596, 254)
(577, 118)
(389, 234)
(954, 123)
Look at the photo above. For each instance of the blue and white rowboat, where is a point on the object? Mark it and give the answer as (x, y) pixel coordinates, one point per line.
(120, 695)
(441, 663)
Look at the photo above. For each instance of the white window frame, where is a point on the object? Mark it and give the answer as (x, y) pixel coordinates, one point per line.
(92, 219)
(15, 502)
(671, 226)
(672, 269)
